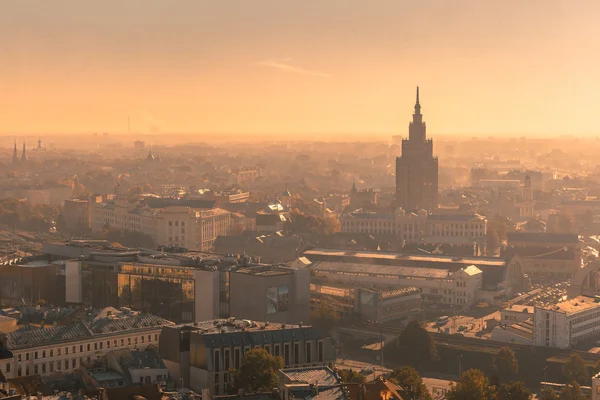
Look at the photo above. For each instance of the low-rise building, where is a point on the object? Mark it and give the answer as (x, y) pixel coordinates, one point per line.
(567, 323)
(41, 351)
(201, 355)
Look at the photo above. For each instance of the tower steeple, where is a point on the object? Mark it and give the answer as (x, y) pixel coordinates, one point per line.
(24, 154)
(417, 104)
(416, 130)
(15, 158)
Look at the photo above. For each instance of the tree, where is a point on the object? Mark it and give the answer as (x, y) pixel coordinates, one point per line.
(411, 383)
(492, 241)
(548, 394)
(258, 372)
(565, 222)
(513, 391)
(472, 385)
(325, 317)
(572, 391)
(576, 370)
(416, 345)
(506, 364)
(330, 225)
(350, 376)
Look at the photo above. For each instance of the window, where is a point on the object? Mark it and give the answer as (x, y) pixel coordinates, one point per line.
(74, 350)
(320, 350)
(19, 357)
(74, 363)
(81, 348)
(156, 336)
(19, 371)
(58, 365)
(51, 365)
(89, 347)
(149, 338)
(286, 354)
(66, 364)
(95, 346)
(26, 356)
(135, 339)
(129, 341)
(216, 361)
(142, 339)
(51, 354)
(35, 369)
(296, 353)
(308, 357)
(7, 367)
(122, 342)
(236, 358)
(226, 359)
(35, 355)
(43, 368)
(115, 343)
(276, 350)
(27, 370)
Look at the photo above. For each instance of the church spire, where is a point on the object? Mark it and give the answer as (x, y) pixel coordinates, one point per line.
(24, 153)
(15, 158)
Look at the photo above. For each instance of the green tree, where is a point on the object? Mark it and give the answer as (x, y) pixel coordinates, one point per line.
(472, 385)
(416, 345)
(572, 391)
(548, 394)
(513, 391)
(492, 241)
(576, 370)
(350, 376)
(565, 222)
(506, 364)
(258, 372)
(325, 317)
(411, 383)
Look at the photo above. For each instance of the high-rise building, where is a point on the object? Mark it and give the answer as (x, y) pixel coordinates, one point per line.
(417, 168)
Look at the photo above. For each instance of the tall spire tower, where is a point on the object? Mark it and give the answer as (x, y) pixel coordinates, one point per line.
(417, 168)
(15, 157)
(24, 154)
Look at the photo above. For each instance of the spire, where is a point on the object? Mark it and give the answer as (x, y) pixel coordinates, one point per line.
(417, 104)
(15, 158)
(24, 153)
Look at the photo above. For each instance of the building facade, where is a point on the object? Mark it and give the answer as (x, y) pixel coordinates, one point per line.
(66, 348)
(418, 226)
(201, 355)
(567, 323)
(417, 168)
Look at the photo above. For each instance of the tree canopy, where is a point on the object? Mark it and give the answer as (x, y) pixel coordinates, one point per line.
(576, 370)
(513, 391)
(350, 376)
(129, 238)
(572, 391)
(325, 317)
(506, 364)
(258, 372)
(472, 385)
(416, 345)
(411, 383)
(548, 394)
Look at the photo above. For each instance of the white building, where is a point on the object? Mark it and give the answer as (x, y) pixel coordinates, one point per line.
(65, 348)
(565, 324)
(437, 285)
(183, 226)
(420, 226)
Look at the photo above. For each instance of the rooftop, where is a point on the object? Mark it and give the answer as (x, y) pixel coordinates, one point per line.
(109, 321)
(232, 325)
(322, 376)
(389, 270)
(456, 217)
(575, 305)
(541, 237)
(381, 256)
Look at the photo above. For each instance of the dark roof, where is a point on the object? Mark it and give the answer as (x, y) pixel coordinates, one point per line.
(160, 202)
(149, 392)
(455, 217)
(542, 237)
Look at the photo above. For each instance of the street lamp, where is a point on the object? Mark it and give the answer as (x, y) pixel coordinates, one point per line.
(546, 373)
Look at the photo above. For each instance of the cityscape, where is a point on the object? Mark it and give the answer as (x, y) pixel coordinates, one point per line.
(311, 246)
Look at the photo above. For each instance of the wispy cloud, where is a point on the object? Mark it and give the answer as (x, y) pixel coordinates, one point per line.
(285, 64)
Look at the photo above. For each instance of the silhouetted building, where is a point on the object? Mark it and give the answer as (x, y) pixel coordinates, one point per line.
(417, 168)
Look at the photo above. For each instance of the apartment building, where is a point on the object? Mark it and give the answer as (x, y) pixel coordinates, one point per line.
(200, 355)
(567, 323)
(417, 226)
(66, 348)
(179, 226)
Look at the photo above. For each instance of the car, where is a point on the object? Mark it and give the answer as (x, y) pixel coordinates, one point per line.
(462, 328)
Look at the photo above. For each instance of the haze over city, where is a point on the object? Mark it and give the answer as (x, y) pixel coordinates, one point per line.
(288, 69)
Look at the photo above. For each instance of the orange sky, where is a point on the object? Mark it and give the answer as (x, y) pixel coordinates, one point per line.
(299, 66)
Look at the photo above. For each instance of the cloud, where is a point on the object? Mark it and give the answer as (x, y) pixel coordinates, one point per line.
(285, 65)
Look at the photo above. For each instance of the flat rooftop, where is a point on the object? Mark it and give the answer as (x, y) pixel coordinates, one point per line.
(373, 269)
(398, 257)
(575, 305)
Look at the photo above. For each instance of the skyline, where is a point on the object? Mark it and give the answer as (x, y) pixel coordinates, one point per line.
(283, 70)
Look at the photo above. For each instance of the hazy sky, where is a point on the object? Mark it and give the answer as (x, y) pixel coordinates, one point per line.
(300, 66)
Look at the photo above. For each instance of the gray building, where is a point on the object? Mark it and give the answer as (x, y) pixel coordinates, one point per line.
(200, 355)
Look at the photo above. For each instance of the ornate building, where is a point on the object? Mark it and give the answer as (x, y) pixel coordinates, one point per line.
(417, 168)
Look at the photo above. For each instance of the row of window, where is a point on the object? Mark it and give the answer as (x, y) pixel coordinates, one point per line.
(86, 348)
